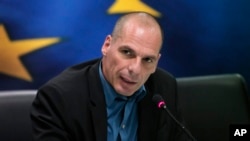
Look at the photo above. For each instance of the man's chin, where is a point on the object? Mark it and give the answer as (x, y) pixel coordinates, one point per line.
(125, 92)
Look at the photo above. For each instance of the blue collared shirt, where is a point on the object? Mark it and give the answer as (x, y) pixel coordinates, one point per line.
(121, 112)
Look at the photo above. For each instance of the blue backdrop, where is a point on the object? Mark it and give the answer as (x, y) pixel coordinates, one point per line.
(39, 39)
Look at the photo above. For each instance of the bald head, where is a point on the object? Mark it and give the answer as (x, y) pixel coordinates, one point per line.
(136, 19)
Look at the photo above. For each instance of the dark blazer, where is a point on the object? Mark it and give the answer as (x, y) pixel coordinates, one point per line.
(71, 107)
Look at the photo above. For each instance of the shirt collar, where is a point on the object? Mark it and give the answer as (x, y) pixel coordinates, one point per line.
(111, 95)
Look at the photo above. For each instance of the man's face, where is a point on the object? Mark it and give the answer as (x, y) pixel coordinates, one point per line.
(131, 59)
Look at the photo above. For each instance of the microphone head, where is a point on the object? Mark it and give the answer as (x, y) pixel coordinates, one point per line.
(159, 101)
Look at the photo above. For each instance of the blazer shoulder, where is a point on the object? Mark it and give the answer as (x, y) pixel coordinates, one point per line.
(162, 75)
(161, 82)
(75, 76)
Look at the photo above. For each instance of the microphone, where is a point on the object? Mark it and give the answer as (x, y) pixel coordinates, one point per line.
(162, 105)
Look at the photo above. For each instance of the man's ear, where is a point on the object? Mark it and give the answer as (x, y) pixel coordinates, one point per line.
(106, 45)
(158, 58)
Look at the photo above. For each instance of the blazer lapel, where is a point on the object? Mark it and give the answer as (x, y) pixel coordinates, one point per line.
(147, 116)
(97, 104)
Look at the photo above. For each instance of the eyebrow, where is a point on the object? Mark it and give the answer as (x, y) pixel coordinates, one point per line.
(151, 56)
(128, 48)
(134, 52)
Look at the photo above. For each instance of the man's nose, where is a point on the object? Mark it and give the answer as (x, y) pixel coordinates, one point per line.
(135, 66)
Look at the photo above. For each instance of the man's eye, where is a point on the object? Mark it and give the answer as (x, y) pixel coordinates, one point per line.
(148, 60)
(127, 52)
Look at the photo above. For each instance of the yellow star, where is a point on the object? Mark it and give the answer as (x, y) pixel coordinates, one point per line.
(125, 6)
(11, 51)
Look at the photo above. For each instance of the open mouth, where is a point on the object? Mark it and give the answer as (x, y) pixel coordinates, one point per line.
(130, 82)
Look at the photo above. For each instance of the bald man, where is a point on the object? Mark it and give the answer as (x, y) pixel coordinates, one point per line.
(110, 98)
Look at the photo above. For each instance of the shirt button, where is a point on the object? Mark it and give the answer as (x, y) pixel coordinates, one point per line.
(123, 126)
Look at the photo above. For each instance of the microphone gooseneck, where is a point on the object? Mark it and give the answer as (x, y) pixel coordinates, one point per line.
(160, 103)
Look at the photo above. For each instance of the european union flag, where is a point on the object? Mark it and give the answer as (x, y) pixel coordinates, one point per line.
(39, 39)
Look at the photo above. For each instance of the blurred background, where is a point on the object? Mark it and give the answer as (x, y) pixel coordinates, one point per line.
(39, 39)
